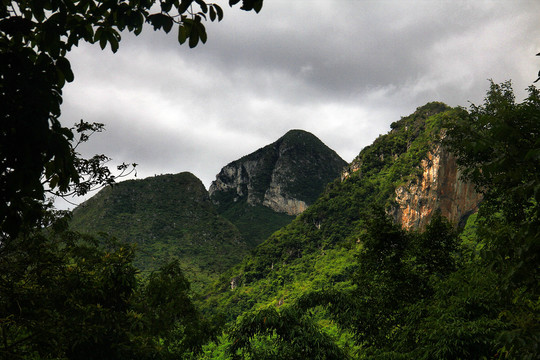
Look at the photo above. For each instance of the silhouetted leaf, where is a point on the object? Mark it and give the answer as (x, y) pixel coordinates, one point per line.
(65, 67)
(184, 5)
(202, 4)
(194, 36)
(202, 33)
(161, 21)
(219, 12)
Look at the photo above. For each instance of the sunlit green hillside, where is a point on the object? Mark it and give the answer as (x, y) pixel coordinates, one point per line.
(317, 249)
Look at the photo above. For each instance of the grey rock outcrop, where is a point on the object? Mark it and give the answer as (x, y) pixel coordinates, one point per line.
(285, 176)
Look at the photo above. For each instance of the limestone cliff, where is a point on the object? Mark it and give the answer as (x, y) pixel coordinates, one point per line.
(439, 188)
(416, 174)
(285, 176)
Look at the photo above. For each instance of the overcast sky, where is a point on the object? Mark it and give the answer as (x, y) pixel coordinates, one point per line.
(340, 69)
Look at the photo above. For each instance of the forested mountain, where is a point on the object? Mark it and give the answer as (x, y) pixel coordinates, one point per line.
(263, 191)
(168, 217)
(425, 248)
(318, 247)
(171, 216)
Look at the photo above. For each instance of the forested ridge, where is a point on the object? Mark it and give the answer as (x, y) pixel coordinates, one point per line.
(341, 281)
(173, 216)
(344, 281)
(167, 217)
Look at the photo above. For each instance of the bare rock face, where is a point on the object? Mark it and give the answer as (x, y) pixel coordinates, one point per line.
(285, 176)
(440, 187)
(275, 199)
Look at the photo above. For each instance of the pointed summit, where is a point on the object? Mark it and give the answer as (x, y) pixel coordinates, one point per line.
(285, 176)
(276, 182)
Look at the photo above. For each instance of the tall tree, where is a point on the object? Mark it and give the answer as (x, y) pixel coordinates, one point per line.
(498, 148)
(68, 296)
(63, 295)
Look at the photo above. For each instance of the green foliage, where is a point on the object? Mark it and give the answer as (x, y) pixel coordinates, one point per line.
(459, 321)
(337, 217)
(290, 336)
(394, 273)
(255, 223)
(410, 295)
(66, 296)
(169, 314)
(169, 217)
(317, 249)
(498, 147)
(422, 295)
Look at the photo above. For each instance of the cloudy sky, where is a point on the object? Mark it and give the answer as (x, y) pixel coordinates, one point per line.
(340, 69)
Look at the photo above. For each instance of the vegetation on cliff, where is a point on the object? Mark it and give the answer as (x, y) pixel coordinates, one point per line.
(317, 248)
(343, 280)
(344, 274)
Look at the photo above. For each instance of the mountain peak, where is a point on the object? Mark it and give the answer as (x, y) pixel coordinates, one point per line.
(283, 177)
(169, 217)
(297, 134)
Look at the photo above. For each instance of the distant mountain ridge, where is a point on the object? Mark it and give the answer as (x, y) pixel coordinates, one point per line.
(172, 216)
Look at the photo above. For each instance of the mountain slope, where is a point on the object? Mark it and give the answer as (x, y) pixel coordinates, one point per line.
(167, 216)
(318, 247)
(263, 191)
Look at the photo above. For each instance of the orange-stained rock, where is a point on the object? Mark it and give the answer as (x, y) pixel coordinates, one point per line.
(439, 188)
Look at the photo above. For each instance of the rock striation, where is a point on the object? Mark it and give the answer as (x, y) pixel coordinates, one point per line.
(285, 176)
(421, 175)
(439, 188)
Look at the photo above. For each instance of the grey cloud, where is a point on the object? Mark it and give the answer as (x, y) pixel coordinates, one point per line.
(343, 70)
